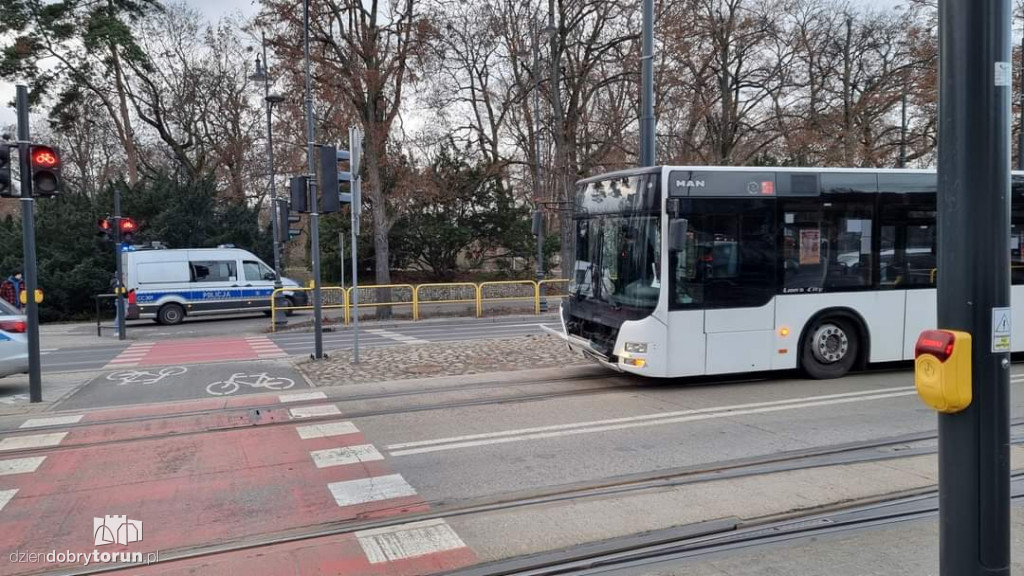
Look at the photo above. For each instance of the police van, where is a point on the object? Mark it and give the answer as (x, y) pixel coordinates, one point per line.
(169, 285)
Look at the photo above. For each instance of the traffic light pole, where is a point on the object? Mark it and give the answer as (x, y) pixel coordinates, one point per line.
(119, 258)
(314, 215)
(974, 281)
(647, 123)
(28, 226)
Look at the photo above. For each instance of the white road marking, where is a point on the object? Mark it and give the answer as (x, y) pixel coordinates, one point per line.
(6, 496)
(325, 430)
(312, 411)
(302, 396)
(408, 541)
(542, 432)
(52, 421)
(398, 337)
(20, 465)
(363, 490)
(35, 441)
(346, 455)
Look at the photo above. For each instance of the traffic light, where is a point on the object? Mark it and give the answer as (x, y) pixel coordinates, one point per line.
(287, 225)
(6, 189)
(298, 188)
(105, 229)
(46, 178)
(128, 230)
(330, 178)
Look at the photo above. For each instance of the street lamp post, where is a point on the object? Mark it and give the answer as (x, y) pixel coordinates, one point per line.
(263, 74)
(537, 174)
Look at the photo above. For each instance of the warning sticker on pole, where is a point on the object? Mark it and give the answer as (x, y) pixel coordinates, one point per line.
(1000, 329)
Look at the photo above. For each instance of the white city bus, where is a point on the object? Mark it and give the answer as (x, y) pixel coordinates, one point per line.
(685, 271)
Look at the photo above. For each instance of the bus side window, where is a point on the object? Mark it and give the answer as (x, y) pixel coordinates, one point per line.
(1017, 235)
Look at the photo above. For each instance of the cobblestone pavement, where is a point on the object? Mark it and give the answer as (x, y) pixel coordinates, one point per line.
(441, 359)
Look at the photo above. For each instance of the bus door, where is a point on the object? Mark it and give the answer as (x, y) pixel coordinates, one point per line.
(732, 272)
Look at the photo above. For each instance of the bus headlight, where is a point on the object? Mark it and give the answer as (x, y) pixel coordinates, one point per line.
(636, 347)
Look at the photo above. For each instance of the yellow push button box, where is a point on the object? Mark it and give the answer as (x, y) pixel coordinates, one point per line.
(942, 369)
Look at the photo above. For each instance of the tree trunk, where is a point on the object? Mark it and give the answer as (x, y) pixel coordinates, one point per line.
(130, 153)
(381, 225)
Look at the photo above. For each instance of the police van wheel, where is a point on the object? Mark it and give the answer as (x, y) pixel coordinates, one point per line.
(171, 314)
(830, 348)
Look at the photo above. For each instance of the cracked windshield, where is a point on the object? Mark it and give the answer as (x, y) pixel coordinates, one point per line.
(538, 287)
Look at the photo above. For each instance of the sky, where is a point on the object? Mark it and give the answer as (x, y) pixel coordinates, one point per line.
(214, 10)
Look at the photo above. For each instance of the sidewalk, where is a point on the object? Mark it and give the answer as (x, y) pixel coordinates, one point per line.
(441, 359)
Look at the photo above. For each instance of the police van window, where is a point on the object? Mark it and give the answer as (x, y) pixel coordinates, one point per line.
(214, 271)
(253, 271)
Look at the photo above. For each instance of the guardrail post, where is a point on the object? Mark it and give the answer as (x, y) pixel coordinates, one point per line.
(415, 302)
(346, 298)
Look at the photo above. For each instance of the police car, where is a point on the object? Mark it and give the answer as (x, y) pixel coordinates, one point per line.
(169, 285)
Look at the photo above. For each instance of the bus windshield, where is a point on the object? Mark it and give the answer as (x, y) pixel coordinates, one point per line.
(618, 259)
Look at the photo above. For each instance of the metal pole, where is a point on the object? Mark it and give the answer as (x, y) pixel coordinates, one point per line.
(275, 226)
(28, 219)
(539, 192)
(647, 125)
(314, 215)
(341, 252)
(356, 183)
(975, 74)
(903, 130)
(119, 258)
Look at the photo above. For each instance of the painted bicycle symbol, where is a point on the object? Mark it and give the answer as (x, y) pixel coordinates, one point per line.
(233, 384)
(145, 377)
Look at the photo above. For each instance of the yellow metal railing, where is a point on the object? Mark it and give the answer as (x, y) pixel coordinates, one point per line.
(415, 296)
(506, 290)
(334, 297)
(447, 293)
(378, 295)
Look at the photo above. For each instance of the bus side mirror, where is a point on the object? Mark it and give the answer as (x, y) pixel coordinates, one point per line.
(677, 234)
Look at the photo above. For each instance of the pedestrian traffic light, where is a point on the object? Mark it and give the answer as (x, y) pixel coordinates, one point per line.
(298, 186)
(46, 178)
(6, 188)
(128, 230)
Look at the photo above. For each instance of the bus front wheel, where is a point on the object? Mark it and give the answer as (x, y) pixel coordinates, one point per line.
(830, 348)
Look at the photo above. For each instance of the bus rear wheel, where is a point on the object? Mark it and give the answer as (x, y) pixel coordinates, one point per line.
(830, 348)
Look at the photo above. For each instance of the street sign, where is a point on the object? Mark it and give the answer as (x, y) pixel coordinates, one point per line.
(1001, 321)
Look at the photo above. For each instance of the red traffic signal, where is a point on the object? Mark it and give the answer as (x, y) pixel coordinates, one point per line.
(44, 157)
(128, 226)
(45, 162)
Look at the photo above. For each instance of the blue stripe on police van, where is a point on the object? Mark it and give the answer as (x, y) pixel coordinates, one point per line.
(143, 297)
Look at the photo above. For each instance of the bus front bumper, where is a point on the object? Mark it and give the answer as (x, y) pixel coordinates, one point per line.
(585, 347)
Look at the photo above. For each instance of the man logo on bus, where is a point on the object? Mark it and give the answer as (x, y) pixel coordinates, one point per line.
(689, 183)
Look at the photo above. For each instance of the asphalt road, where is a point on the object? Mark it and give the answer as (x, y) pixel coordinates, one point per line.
(300, 459)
